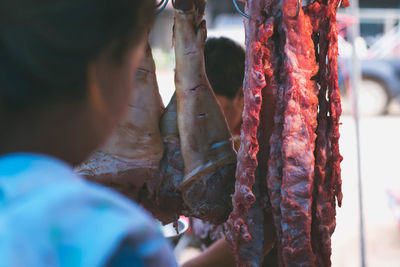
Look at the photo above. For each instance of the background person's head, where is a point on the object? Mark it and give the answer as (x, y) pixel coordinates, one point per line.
(66, 72)
(224, 60)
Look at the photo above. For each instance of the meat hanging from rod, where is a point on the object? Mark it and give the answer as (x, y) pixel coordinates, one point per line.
(288, 165)
(142, 159)
(205, 141)
(165, 202)
(291, 57)
(188, 160)
(298, 136)
(247, 218)
(327, 183)
(132, 154)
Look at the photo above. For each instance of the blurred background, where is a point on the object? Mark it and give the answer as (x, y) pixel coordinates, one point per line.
(378, 52)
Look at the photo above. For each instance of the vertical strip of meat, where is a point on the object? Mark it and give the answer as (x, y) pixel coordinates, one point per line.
(304, 216)
(324, 211)
(334, 99)
(132, 154)
(208, 155)
(245, 225)
(328, 137)
(324, 206)
(274, 174)
(298, 137)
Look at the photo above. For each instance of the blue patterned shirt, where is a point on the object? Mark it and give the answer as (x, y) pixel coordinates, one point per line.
(51, 217)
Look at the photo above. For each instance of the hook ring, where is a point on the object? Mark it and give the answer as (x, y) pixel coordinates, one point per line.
(162, 6)
(240, 11)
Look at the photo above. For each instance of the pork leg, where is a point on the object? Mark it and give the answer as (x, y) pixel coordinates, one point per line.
(208, 155)
(132, 154)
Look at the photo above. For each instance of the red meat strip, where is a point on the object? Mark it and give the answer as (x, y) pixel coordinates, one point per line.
(324, 206)
(245, 225)
(298, 137)
(289, 160)
(334, 99)
(324, 212)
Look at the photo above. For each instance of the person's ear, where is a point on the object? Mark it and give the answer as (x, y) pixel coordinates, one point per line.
(239, 98)
(96, 102)
(239, 94)
(96, 98)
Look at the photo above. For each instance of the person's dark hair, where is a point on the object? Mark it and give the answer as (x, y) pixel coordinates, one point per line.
(46, 45)
(224, 60)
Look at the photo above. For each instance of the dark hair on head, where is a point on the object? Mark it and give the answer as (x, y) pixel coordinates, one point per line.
(46, 45)
(224, 61)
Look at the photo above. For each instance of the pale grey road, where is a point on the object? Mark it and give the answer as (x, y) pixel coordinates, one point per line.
(380, 148)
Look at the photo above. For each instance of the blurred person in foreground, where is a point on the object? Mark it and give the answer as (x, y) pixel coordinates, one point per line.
(67, 73)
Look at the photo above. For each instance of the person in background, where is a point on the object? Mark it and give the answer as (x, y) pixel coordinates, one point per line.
(224, 60)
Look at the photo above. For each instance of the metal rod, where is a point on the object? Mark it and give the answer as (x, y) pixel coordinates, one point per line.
(355, 85)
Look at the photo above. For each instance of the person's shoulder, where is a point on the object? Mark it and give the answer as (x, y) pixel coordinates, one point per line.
(131, 232)
(64, 209)
(52, 182)
(104, 198)
(141, 243)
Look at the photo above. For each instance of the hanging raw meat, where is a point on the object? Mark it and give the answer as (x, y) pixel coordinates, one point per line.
(185, 159)
(205, 141)
(291, 76)
(132, 154)
(247, 219)
(327, 183)
(288, 165)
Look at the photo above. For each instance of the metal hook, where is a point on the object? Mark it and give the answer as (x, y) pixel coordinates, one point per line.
(163, 4)
(240, 11)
